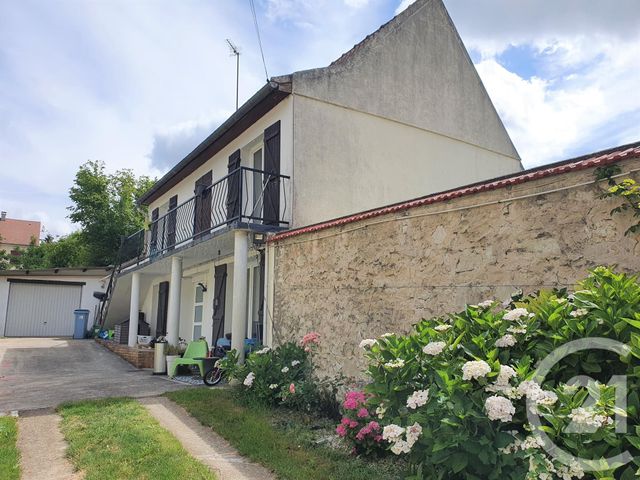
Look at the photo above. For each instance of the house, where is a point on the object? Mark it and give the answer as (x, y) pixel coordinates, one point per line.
(402, 114)
(16, 234)
(40, 303)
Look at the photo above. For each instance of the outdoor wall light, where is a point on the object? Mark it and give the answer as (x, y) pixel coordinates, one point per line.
(202, 286)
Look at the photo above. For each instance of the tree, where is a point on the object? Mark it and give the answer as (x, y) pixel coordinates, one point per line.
(105, 206)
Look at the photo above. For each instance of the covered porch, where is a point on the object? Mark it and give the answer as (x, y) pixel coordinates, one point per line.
(213, 288)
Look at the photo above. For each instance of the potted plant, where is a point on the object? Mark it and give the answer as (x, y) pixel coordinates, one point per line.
(173, 352)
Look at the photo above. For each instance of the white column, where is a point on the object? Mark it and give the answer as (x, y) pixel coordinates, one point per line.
(134, 307)
(239, 312)
(173, 310)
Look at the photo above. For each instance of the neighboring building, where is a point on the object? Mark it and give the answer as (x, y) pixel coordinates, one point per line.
(40, 303)
(16, 234)
(402, 114)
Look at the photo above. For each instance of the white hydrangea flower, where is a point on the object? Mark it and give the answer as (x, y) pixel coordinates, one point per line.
(367, 343)
(398, 363)
(505, 341)
(284, 369)
(580, 312)
(262, 351)
(434, 348)
(248, 381)
(413, 433)
(485, 304)
(589, 418)
(506, 374)
(392, 432)
(516, 314)
(517, 329)
(475, 369)
(534, 392)
(417, 399)
(499, 408)
(400, 447)
(380, 411)
(273, 386)
(442, 328)
(295, 363)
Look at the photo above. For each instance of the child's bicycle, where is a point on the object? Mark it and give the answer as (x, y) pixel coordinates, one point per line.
(214, 375)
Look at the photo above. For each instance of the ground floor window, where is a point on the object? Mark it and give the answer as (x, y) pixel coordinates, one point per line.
(198, 306)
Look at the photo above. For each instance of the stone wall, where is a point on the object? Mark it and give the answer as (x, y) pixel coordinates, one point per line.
(365, 278)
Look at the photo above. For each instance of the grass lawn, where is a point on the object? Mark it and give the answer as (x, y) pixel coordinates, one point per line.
(9, 456)
(118, 438)
(282, 441)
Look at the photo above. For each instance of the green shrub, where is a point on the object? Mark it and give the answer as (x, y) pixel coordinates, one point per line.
(452, 395)
(281, 376)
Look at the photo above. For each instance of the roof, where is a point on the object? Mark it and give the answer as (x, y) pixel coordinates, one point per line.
(597, 159)
(59, 272)
(19, 232)
(262, 101)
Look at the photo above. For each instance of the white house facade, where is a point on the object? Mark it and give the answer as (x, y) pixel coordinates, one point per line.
(401, 115)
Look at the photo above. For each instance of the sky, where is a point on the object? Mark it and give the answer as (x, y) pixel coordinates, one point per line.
(139, 83)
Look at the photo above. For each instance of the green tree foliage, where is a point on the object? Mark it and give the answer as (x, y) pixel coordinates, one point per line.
(104, 205)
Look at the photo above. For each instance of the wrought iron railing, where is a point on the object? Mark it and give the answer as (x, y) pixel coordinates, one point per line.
(245, 195)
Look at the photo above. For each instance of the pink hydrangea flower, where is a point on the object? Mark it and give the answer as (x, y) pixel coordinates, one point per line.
(341, 431)
(373, 425)
(310, 338)
(345, 421)
(377, 438)
(353, 424)
(363, 412)
(292, 388)
(350, 404)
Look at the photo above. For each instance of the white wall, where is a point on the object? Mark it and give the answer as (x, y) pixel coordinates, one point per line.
(357, 161)
(92, 284)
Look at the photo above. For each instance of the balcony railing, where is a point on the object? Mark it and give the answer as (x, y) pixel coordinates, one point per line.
(245, 196)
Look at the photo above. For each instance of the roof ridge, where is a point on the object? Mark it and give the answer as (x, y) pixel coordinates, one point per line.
(410, 10)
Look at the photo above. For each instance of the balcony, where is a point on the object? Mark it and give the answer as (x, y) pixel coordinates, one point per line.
(246, 198)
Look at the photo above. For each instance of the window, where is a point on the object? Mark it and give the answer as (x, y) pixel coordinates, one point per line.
(198, 306)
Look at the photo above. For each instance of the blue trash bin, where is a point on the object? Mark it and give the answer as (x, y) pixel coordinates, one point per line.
(80, 326)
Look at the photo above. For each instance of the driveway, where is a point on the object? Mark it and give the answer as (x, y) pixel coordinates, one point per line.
(44, 372)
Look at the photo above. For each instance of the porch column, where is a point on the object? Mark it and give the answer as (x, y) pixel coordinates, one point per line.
(239, 312)
(134, 308)
(173, 310)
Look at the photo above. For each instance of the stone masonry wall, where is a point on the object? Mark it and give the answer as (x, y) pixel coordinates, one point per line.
(383, 274)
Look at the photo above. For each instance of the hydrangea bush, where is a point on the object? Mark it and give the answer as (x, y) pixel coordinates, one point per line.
(452, 395)
(279, 376)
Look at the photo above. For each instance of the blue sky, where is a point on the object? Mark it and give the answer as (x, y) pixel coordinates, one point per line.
(138, 83)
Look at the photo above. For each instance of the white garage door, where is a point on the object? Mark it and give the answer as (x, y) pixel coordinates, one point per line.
(42, 309)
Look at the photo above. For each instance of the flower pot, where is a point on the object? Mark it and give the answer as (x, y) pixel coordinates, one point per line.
(170, 360)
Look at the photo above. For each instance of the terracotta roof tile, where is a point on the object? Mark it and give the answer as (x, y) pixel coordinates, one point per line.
(19, 232)
(598, 159)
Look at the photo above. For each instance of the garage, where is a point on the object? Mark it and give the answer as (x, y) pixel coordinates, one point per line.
(40, 303)
(41, 308)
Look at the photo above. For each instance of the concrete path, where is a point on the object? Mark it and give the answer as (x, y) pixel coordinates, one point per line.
(203, 443)
(42, 448)
(44, 372)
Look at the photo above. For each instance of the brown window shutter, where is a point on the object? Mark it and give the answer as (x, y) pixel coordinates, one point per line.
(272, 170)
(233, 186)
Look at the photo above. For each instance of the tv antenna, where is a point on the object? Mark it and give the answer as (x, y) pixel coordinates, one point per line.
(235, 51)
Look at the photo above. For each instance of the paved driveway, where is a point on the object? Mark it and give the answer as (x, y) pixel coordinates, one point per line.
(44, 372)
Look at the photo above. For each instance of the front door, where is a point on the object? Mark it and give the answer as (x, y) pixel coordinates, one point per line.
(219, 298)
(163, 308)
(202, 213)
